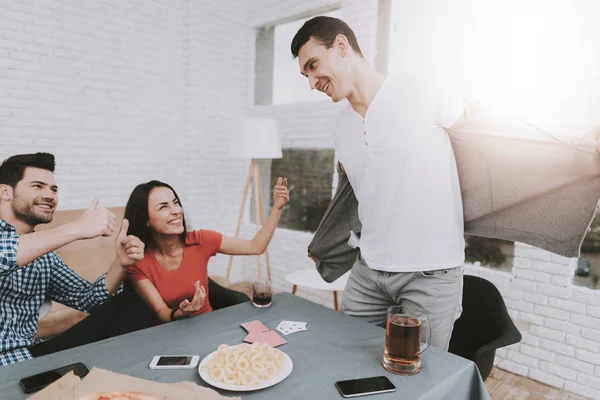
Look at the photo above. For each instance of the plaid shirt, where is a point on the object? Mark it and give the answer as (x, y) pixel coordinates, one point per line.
(23, 290)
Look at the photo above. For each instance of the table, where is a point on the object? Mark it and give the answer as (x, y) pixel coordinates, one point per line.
(312, 279)
(335, 347)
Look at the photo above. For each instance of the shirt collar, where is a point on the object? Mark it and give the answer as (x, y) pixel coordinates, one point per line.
(5, 226)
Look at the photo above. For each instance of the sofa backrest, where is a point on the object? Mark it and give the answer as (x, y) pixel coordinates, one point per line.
(89, 258)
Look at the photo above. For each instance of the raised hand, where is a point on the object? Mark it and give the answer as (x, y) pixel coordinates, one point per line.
(190, 307)
(130, 249)
(95, 222)
(281, 194)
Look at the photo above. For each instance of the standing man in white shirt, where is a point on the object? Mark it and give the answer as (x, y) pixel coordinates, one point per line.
(402, 169)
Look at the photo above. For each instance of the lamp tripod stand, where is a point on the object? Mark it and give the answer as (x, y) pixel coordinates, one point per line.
(253, 175)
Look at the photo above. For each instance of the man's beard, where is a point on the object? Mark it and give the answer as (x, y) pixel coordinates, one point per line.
(25, 211)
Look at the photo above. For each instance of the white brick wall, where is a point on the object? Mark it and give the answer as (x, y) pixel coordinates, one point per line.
(93, 83)
(125, 92)
(220, 87)
(561, 336)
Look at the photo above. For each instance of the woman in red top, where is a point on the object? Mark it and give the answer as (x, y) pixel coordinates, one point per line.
(173, 275)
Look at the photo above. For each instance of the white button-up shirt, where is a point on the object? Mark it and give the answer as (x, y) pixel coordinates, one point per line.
(401, 166)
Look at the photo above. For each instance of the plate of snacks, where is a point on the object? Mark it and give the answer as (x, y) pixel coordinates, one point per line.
(245, 367)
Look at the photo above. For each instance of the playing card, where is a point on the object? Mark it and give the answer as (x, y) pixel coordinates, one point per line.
(289, 327)
(252, 336)
(271, 338)
(288, 331)
(293, 324)
(254, 326)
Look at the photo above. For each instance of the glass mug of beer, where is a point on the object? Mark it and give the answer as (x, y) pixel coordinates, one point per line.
(261, 294)
(407, 335)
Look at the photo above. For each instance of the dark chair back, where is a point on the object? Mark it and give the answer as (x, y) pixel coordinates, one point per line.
(221, 297)
(483, 326)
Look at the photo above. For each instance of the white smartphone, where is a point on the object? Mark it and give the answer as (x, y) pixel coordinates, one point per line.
(174, 362)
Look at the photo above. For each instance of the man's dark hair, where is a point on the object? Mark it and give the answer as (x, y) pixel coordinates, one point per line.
(324, 30)
(13, 168)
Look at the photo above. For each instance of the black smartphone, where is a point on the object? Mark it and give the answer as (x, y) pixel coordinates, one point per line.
(365, 386)
(38, 382)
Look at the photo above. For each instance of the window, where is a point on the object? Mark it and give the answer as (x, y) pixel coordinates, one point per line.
(494, 253)
(310, 177)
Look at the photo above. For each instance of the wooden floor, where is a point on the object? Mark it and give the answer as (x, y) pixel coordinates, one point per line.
(503, 385)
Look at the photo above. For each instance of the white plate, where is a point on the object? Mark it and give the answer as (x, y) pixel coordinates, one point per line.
(283, 373)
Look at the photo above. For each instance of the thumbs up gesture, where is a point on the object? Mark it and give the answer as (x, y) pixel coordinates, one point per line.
(130, 249)
(281, 193)
(95, 222)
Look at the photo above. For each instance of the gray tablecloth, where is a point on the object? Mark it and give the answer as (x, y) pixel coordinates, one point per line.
(335, 347)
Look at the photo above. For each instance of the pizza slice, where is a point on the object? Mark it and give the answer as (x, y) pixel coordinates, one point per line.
(120, 396)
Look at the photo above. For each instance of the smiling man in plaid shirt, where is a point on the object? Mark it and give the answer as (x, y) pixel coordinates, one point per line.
(30, 270)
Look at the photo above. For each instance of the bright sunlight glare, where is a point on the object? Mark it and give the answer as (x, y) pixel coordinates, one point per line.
(535, 59)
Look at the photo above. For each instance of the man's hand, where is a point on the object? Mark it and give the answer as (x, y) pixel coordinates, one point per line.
(312, 257)
(95, 222)
(189, 307)
(92, 223)
(281, 194)
(130, 249)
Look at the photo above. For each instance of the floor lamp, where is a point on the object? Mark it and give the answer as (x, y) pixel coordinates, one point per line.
(254, 138)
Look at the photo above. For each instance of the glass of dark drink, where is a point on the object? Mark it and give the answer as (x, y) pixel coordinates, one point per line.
(407, 335)
(261, 294)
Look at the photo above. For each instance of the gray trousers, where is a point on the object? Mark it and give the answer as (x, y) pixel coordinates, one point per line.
(437, 294)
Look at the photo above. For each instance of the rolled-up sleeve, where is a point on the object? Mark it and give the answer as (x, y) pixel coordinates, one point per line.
(70, 289)
(9, 243)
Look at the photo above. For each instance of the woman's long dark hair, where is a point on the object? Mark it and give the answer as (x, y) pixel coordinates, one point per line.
(136, 211)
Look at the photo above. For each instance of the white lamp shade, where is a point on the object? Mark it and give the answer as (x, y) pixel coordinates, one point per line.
(255, 138)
